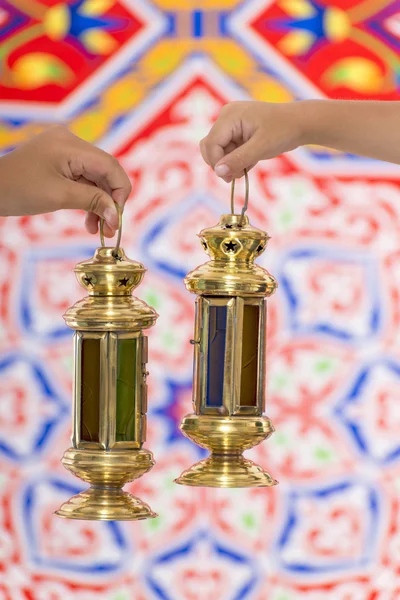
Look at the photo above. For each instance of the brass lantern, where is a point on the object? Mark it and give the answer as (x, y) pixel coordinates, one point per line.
(229, 354)
(110, 391)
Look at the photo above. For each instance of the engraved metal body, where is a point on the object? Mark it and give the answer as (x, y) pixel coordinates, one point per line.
(229, 356)
(110, 390)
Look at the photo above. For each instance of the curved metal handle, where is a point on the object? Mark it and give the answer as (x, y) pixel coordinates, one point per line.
(246, 197)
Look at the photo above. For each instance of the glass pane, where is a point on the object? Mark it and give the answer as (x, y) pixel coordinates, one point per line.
(126, 390)
(216, 355)
(90, 391)
(248, 386)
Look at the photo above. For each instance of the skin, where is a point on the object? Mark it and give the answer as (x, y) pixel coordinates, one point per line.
(246, 132)
(57, 170)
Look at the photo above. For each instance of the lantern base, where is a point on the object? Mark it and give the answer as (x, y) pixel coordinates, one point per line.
(100, 504)
(107, 471)
(227, 438)
(226, 471)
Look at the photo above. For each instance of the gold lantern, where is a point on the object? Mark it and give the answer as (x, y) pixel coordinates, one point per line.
(110, 391)
(229, 354)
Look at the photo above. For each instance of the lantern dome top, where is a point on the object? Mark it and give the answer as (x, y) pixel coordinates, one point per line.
(109, 273)
(109, 277)
(233, 245)
(234, 239)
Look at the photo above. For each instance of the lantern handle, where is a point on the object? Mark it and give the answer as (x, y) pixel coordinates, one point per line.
(119, 211)
(246, 197)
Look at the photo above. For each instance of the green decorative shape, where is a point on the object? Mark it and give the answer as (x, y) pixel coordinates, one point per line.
(169, 483)
(323, 454)
(126, 390)
(249, 520)
(324, 364)
(286, 217)
(279, 381)
(340, 74)
(154, 524)
(280, 439)
(153, 299)
(169, 339)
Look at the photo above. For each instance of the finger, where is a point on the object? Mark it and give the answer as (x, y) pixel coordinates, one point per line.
(92, 199)
(214, 143)
(104, 170)
(228, 149)
(232, 164)
(241, 174)
(108, 232)
(203, 151)
(92, 222)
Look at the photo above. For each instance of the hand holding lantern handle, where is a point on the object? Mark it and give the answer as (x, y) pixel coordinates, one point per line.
(250, 131)
(62, 171)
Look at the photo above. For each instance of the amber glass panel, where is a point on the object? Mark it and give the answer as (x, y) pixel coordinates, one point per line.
(126, 390)
(248, 386)
(90, 390)
(216, 355)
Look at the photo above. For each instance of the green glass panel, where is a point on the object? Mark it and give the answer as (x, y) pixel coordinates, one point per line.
(126, 390)
(90, 390)
(248, 386)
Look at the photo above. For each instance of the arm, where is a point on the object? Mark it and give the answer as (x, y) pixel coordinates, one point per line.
(246, 132)
(56, 170)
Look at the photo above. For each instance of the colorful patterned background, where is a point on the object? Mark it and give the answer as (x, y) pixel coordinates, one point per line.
(145, 80)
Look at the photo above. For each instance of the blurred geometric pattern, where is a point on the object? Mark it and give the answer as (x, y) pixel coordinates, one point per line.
(145, 80)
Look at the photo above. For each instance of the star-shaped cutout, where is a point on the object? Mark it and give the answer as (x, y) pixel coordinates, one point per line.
(230, 246)
(260, 249)
(88, 280)
(123, 282)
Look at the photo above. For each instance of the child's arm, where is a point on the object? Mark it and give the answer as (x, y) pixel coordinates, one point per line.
(56, 170)
(246, 132)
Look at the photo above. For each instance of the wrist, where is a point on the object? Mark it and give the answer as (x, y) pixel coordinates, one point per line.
(4, 185)
(310, 123)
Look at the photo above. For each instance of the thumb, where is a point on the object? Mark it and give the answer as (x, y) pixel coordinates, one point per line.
(92, 199)
(243, 157)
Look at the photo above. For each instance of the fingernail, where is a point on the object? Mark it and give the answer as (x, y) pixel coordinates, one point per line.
(111, 217)
(222, 170)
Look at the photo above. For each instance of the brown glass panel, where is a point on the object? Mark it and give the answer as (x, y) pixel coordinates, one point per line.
(90, 390)
(249, 378)
(126, 391)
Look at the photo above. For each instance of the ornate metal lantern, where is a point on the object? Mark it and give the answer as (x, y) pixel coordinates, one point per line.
(110, 391)
(229, 354)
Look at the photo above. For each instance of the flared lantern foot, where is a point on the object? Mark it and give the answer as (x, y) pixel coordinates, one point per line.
(102, 504)
(224, 471)
(227, 438)
(107, 472)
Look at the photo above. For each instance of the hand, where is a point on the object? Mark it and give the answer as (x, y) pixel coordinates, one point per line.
(57, 170)
(246, 132)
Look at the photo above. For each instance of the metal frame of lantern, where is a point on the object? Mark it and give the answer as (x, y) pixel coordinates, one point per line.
(229, 354)
(110, 390)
